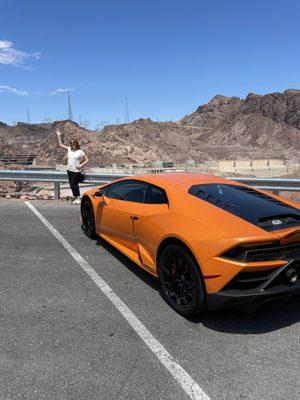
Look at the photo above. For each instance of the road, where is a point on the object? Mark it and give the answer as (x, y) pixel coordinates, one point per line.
(62, 338)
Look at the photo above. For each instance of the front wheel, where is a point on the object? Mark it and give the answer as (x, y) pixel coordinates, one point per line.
(182, 285)
(88, 220)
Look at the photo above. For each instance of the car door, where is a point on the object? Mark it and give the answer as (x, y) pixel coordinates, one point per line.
(154, 225)
(120, 213)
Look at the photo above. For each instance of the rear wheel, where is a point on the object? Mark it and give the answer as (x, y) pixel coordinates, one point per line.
(88, 220)
(181, 281)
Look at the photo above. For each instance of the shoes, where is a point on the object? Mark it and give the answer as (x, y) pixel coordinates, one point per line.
(76, 201)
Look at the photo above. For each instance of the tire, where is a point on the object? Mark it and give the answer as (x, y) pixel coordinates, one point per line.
(88, 220)
(182, 285)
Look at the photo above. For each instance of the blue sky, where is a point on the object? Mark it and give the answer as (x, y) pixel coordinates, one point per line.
(167, 57)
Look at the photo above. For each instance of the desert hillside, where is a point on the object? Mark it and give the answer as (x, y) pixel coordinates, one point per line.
(259, 126)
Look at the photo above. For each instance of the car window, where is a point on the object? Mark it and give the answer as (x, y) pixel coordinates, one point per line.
(155, 195)
(253, 206)
(128, 190)
(105, 189)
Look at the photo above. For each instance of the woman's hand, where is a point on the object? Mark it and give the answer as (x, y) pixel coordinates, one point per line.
(79, 167)
(60, 143)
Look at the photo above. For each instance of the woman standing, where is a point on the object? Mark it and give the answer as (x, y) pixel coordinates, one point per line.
(76, 160)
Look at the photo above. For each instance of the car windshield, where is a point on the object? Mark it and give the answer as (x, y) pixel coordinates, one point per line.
(249, 204)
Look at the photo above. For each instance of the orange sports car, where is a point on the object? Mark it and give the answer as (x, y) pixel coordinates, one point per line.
(212, 242)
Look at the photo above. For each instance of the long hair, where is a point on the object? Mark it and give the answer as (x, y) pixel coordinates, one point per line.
(77, 145)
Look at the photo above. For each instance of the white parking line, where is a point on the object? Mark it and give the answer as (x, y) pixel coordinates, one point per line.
(192, 389)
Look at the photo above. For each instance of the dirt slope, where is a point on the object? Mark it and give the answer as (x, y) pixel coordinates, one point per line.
(226, 127)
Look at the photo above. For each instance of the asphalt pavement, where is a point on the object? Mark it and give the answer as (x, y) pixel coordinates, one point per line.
(61, 338)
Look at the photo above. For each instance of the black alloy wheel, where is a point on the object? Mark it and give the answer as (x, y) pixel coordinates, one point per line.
(182, 285)
(88, 220)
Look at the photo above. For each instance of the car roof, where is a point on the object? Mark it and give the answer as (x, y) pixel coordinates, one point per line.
(172, 179)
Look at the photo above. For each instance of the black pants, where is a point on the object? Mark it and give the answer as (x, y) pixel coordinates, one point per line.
(74, 179)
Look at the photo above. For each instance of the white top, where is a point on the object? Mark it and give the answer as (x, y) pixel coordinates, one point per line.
(74, 159)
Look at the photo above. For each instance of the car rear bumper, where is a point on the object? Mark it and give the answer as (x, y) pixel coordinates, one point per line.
(276, 288)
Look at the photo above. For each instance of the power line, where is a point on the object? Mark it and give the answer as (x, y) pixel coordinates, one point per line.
(70, 115)
(126, 111)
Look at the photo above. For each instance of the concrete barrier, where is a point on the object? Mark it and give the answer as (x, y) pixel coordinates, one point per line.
(243, 165)
(226, 165)
(260, 164)
(275, 163)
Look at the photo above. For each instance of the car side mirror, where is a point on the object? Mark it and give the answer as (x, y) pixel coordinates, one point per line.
(99, 193)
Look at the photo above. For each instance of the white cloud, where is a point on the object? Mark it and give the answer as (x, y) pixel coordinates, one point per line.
(61, 90)
(11, 56)
(12, 90)
(5, 44)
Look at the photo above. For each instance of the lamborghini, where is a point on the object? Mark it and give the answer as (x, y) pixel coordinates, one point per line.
(210, 241)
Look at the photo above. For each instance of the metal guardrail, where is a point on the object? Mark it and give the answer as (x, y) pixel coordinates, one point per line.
(274, 184)
(54, 177)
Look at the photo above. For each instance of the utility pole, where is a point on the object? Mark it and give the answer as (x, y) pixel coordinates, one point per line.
(70, 115)
(98, 127)
(28, 116)
(80, 119)
(126, 112)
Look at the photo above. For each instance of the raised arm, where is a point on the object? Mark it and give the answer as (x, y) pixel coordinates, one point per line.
(60, 143)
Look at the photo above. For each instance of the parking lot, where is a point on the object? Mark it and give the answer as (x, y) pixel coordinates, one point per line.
(65, 335)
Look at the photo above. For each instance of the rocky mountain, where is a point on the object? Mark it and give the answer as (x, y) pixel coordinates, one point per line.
(262, 125)
(280, 107)
(47, 150)
(259, 126)
(21, 138)
(40, 140)
(225, 127)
